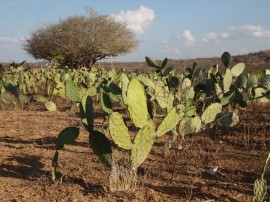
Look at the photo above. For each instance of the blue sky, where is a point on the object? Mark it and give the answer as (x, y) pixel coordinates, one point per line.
(177, 29)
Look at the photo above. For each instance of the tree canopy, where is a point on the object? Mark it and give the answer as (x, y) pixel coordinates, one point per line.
(81, 40)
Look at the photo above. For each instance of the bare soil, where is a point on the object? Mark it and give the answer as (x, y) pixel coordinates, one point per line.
(27, 145)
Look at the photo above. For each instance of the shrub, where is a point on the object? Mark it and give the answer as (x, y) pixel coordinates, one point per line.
(81, 40)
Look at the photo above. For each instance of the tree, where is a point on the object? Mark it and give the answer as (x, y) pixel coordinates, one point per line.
(81, 40)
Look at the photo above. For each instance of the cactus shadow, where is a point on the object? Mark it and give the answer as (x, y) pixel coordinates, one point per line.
(25, 167)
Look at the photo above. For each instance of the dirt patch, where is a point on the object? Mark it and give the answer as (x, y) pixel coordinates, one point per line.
(27, 145)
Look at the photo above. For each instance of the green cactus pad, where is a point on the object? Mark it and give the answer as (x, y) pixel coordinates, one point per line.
(227, 80)
(146, 81)
(124, 87)
(67, 136)
(238, 69)
(50, 106)
(87, 112)
(101, 147)
(260, 190)
(252, 81)
(40, 98)
(190, 125)
(143, 143)
(161, 93)
(259, 95)
(54, 165)
(151, 62)
(119, 131)
(114, 89)
(226, 59)
(6, 98)
(106, 103)
(230, 119)
(210, 113)
(73, 91)
(265, 81)
(137, 104)
(171, 120)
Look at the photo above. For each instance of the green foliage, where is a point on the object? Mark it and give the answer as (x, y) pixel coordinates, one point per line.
(211, 112)
(137, 105)
(73, 91)
(238, 69)
(226, 59)
(87, 112)
(171, 120)
(190, 125)
(81, 40)
(51, 106)
(143, 144)
(106, 103)
(119, 131)
(101, 147)
(67, 136)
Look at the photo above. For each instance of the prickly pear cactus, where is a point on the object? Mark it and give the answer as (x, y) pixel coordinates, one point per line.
(227, 80)
(161, 93)
(211, 112)
(238, 69)
(67, 136)
(119, 131)
(106, 103)
(124, 86)
(51, 106)
(171, 120)
(101, 147)
(87, 112)
(226, 59)
(151, 62)
(142, 144)
(73, 91)
(230, 119)
(137, 104)
(190, 125)
(260, 190)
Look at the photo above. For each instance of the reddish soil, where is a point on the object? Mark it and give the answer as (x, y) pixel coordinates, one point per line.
(27, 145)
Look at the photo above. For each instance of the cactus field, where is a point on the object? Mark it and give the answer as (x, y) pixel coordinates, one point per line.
(162, 135)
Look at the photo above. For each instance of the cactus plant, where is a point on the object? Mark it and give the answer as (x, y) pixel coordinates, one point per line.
(211, 112)
(137, 104)
(119, 131)
(143, 143)
(73, 91)
(190, 125)
(171, 120)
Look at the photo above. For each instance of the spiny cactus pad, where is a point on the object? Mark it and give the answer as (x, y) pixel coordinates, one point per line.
(119, 131)
(260, 190)
(51, 106)
(210, 113)
(190, 125)
(101, 147)
(67, 136)
(238, 69)
(230, 119)
(142, 144)
(171, 120)
(106, 103)
(87, 112)
(227, 80)
(73, 91)
(137, 104)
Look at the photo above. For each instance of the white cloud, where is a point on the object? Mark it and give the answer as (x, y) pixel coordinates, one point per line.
(138, 20)
(254, 31)
(215, 36)
(8, 39)
(188, 37)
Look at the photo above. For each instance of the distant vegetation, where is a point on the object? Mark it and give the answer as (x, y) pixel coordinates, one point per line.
(81, 41)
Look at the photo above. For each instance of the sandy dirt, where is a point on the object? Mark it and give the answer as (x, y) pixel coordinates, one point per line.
(27, 145)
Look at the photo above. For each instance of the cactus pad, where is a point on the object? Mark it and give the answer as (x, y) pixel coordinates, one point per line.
(67, 136)
(101, 147)
(227, 80)
(50, 106)
(190, 125)
(119, 131)
(137, 104)
(142, 144)
(210, 113)
(73, 91)
(171, 120)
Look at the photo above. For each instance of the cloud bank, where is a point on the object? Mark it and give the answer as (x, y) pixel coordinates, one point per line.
(138, 20)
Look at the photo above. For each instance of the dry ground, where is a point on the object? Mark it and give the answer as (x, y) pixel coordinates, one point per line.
(27, 143)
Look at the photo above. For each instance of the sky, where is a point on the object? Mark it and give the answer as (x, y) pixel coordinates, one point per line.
(176, 29)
